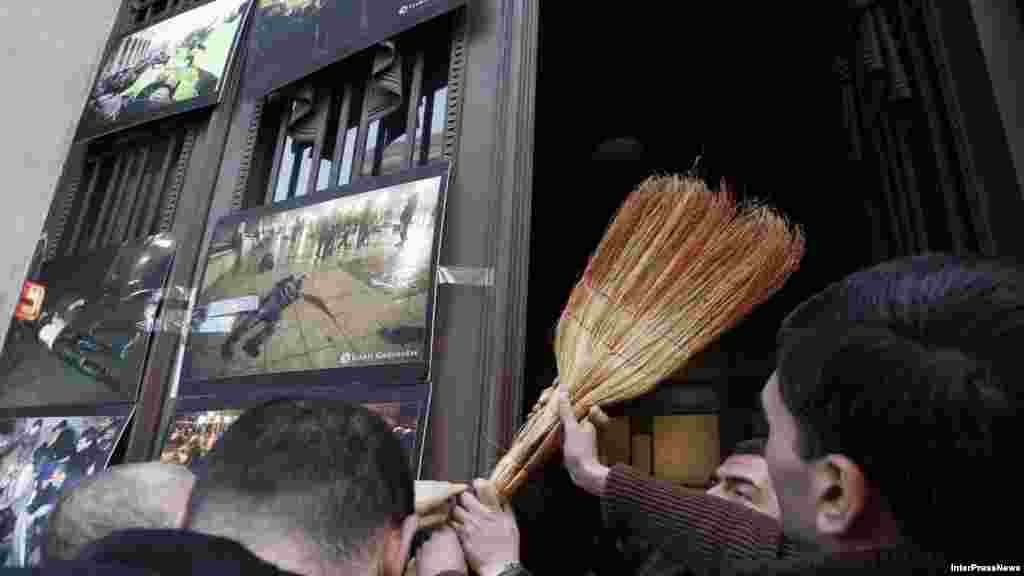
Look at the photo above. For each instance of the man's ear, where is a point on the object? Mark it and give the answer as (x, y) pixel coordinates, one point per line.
(840, 492)
(396, 550)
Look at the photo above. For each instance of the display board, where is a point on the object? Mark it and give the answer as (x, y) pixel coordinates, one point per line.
(199, 422)
(90, 342)
(291, 39)
(340, 283)
(173, 66)
(40, 457)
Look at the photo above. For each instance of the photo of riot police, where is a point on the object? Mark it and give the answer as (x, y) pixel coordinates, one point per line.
(40, 457)
(340, 283)
(172, 66)
(89, 343)
(290, 39)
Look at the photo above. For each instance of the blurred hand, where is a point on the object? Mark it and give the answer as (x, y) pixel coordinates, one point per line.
(489, 535)
(579, 447)
(442, 551)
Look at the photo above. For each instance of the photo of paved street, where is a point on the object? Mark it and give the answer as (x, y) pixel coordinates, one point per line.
(342, 283)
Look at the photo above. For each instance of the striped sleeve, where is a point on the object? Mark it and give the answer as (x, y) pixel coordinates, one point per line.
(712, 528)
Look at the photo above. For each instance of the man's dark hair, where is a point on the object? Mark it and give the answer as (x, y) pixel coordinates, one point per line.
(752, 447)
(906, 369)
(332, 471)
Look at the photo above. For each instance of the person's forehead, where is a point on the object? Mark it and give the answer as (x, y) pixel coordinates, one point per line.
(741, 465)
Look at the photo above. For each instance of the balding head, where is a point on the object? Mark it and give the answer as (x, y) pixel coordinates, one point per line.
(146, 495)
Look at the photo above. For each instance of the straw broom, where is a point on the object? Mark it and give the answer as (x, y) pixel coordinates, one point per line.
(678, 266)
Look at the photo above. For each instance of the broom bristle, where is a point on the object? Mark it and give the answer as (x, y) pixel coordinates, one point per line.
(678, 266)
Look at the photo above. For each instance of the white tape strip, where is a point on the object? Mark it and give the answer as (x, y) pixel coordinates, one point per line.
(465, 275)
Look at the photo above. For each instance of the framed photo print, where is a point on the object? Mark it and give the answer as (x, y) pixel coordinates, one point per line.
(173, 66)
(40, 457)
(90, 340)
(328, 287)
(198, 422)
(291, 39)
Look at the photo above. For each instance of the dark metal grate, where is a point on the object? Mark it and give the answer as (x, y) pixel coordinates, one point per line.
(127, 190)
(383, 111)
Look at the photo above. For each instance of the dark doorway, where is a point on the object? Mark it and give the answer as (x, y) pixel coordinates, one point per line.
(623, 94)
(752, 87)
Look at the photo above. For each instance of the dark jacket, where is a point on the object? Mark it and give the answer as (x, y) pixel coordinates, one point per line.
(76, 569)
(178, 552)
(878, 561)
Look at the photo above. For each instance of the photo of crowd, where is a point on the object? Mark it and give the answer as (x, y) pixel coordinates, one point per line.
(341, 283)
(40, 457)
(179, 60)
(193, 434)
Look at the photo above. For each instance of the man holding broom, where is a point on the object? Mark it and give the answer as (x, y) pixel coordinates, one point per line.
(893, 389)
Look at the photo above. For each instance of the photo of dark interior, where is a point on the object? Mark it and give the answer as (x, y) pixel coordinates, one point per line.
(292, 38)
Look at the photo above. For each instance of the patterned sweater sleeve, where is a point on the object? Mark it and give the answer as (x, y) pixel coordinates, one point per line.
(711, 528)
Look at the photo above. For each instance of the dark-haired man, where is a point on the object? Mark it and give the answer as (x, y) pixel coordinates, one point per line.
(308, 487)
(743, 478)
(892, 388)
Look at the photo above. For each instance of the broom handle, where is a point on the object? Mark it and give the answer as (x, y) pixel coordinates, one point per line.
(551, 443)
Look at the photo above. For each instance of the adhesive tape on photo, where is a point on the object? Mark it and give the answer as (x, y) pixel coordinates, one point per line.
(48, 334)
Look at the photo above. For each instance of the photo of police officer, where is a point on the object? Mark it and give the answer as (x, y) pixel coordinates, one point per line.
(344, 282)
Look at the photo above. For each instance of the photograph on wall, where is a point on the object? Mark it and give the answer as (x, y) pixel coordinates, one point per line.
(291, 39)
(198, 424)
(193, 434)
(39, 458)
(341, 283)
(175, 65)
(89, 343)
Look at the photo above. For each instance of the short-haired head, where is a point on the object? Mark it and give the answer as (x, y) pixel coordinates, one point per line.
(896, 386)
(325, 476)
(144, 495)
